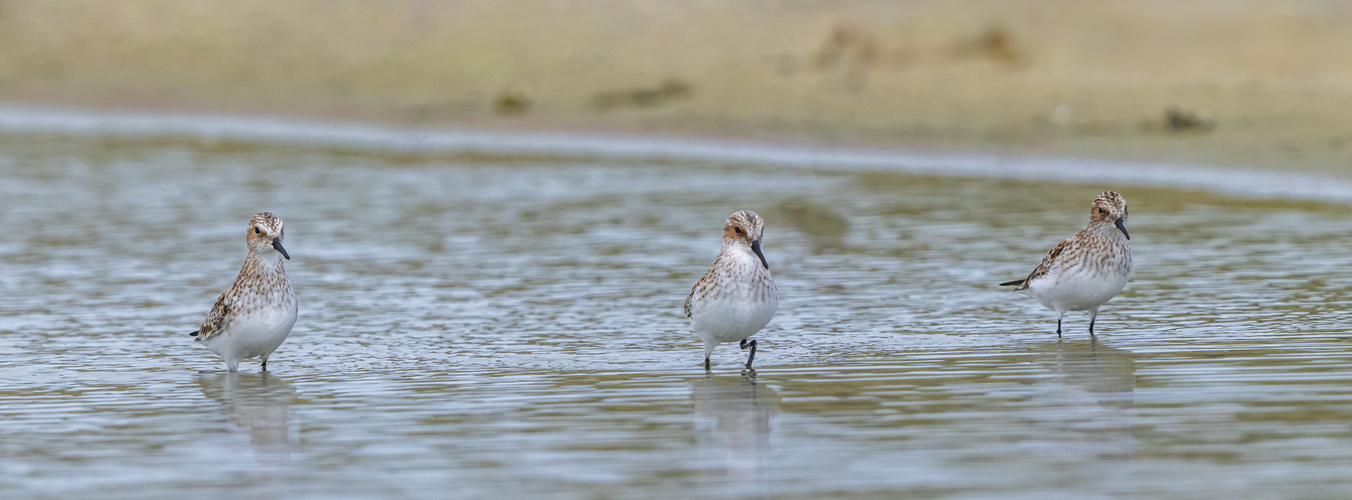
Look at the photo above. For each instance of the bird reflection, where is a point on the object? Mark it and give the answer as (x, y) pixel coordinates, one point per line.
(732, 418)
(1098, 393)
(256, 402)
(1108, 374)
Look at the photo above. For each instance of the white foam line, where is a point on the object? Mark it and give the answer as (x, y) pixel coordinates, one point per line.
(19, 119)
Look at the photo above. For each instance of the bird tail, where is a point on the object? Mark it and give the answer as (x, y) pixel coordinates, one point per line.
(1014, 283)
(194, 334)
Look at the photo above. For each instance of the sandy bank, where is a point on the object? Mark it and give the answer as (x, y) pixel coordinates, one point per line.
(1255, 84)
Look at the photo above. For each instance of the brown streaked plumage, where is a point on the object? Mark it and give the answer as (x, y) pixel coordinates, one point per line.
(736, 297)
(1084, 271)
(256, 314)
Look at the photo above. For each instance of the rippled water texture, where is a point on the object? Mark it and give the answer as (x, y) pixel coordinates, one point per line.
(496, 325)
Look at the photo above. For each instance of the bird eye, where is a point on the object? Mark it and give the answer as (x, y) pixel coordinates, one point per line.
(1100, 209)
(738, 229)
(259, 231)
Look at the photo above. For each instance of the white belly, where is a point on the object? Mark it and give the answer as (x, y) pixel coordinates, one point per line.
(255, 334)
(1077, 291)
(732, 320)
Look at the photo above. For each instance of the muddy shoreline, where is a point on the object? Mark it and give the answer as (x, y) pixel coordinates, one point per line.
(1205, 83)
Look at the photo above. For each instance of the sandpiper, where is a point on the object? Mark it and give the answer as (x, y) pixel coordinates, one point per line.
(1084, 271)
(255, 315)
(737, 297)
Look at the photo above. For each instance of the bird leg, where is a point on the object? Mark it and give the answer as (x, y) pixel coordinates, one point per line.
(1058, 328)
(752, 357)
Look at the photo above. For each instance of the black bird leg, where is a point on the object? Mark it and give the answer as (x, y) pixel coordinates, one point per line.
(1058, 328)
(752, 357)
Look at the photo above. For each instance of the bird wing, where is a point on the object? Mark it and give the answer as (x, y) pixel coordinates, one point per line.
(704, 281)
(1048, 262)
(215, 321)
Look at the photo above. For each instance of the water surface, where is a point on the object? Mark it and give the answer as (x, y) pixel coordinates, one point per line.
(498, 324)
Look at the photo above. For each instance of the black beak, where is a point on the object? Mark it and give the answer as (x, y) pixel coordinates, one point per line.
(1122, 226)
(277, 243)
(755, 247)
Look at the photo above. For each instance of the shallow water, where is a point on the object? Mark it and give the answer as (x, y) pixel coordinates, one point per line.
(486, 325)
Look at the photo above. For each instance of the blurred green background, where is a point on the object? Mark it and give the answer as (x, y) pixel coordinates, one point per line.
(1261, 84)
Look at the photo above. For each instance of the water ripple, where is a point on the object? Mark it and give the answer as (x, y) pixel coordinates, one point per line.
(489, 324)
